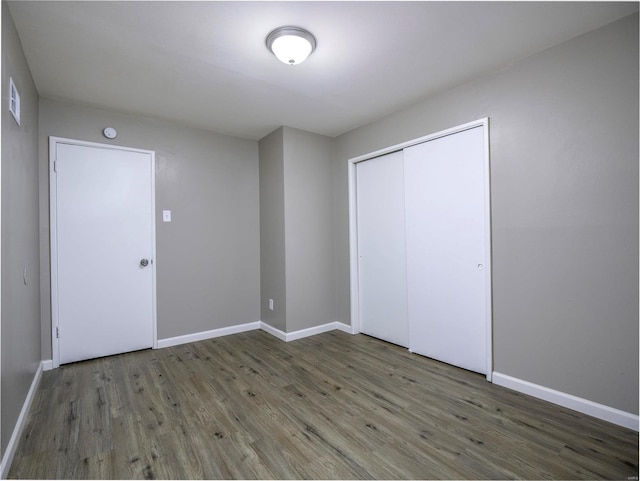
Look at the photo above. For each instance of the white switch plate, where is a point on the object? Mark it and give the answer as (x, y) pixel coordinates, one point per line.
(166, 216)
(271, 304)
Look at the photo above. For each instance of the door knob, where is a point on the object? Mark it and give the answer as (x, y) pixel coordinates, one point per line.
(144, 262)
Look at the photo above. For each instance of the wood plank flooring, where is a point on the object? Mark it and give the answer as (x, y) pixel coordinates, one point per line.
(332, 406)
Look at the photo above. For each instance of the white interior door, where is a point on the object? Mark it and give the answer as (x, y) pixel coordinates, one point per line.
(382, 277)
(103, 227)
(446, 249)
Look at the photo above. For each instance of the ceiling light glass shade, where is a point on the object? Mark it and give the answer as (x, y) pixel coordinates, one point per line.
(291, 45)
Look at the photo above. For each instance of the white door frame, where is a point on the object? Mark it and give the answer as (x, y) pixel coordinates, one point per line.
(353, 227)
(53, 143)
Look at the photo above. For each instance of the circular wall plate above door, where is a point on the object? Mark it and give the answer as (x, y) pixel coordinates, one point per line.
(110, 133)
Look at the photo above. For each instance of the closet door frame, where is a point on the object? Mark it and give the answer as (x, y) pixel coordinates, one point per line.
(353, 227)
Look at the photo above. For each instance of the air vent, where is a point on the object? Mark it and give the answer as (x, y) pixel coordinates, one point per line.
(14, 101)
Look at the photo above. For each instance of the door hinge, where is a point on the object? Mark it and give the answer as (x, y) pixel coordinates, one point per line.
(57, 332)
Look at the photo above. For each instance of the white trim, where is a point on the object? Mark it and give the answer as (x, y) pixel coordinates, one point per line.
(275, 332)
(201, 336)
(442, 133)
(353, 227)
(311, 331)
(10, 450)
(154, 270)
(250, 326)
(488, 250)
(53, 249)
(302, 333)
(53, 141)
(600, 411)
(47, 365)
(340, 326)
(353, 249)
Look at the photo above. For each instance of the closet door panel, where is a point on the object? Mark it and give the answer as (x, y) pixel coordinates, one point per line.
(381, 249)
(445, 249)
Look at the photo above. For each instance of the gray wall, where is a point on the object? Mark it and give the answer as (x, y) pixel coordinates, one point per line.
(296, 229)
(208, 257)
(20, 303)
(564, 174)
(272, 231)
(308, 192)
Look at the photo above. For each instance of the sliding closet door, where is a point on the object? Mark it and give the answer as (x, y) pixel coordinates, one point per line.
(446, 249)
(381, 249)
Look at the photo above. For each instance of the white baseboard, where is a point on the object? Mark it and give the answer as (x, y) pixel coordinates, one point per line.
(250, 326)
(47, 365)
(10, 451)
(344, 327)
(600, 411)
(201, 336)
(273, 331)
(311, 331)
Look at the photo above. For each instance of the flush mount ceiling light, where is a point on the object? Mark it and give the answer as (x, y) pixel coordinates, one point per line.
(291, 45)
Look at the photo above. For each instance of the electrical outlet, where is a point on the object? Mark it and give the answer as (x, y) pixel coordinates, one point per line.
(271, 304)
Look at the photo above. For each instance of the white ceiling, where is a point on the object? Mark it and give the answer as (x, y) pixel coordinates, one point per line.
(205, 63)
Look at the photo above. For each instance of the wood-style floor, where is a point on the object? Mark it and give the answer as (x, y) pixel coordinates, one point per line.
(332, 406)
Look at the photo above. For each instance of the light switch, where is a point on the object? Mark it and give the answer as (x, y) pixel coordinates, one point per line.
(166, 216)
